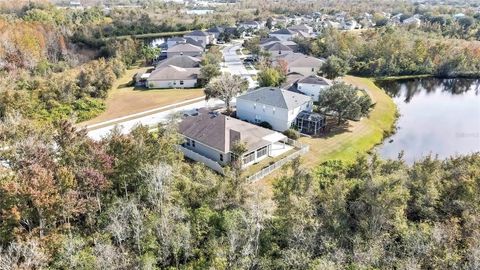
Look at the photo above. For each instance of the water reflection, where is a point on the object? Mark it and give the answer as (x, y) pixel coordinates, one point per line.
(438, 116)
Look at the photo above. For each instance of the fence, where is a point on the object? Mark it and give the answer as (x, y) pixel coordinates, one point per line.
(199, 158)
(303, 148)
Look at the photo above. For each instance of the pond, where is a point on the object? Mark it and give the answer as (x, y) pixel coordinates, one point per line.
(440, 117)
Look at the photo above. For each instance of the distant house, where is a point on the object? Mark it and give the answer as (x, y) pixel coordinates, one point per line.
(173, 77)
(350, 25)
(215, 31)
(312, 86)
(301, 27)
(277, 48)
(185, 49)
(210, 138)
(182, 61)
(300, 63)
(412, 21)
(202, 37)
(278, 107)
(284, 34)
(266, 42)
(251, 25)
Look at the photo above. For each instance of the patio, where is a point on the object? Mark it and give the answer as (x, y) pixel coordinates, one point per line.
(279, 148)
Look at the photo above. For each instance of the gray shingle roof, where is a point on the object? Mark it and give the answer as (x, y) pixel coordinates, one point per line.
(174, 73)
(277, 46)
(301, 60)
(185, 47)
(221, 132)
(276, 97)
(284, 31)
(197, 33)
(314, 79)
(182, 61)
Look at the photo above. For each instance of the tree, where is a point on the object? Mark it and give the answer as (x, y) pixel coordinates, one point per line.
(209, 71)
(269, 23)
(345, 102)
(270, 77)
(150, 53)
(334, 67)
(226, 87)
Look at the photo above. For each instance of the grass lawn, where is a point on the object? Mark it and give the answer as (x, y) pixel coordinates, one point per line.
(356, 137)
(124, 100)
(254, 168)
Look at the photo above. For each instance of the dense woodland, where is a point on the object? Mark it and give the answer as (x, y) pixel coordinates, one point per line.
(130, 201)
(133, 202)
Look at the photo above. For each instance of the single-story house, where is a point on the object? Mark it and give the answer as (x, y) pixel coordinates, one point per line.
(185, 49)
(182, 61)
(203, 37)
(302, 27)
(179, 40)
(173, 77)
(210, 138)
(278, 107)
(301, 63)
(284, 34)
(272, 40)
(312, 85)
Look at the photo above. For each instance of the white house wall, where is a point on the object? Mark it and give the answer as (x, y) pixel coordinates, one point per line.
(171, 84)
(192, 54)
(306, 71)
(278, 118)
(312, 90)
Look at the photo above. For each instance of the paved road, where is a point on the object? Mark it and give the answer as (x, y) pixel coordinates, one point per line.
(233, 64)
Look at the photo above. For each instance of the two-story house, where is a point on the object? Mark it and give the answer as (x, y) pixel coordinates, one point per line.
(276, 106)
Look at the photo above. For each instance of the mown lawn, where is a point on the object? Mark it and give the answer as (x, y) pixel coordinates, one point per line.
(356, 137)
(124, 100)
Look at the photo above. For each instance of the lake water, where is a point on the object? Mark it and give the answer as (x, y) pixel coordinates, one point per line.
(438, 116)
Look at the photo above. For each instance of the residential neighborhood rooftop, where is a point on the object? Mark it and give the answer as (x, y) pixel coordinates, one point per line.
(220, 132)
(301, 60)
(315, 79)
(182, 61)
(276, 97)
(185, 47)
(174, 73)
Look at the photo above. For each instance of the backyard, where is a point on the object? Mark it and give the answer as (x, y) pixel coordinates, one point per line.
(124, 100)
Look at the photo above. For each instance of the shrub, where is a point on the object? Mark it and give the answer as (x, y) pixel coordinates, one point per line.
(292, 134)
(265, 124)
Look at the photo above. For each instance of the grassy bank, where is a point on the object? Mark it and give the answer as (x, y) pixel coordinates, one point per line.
(404, 77)
(355, 138)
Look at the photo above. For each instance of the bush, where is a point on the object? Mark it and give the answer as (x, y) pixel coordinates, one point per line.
(265, 124)
(292, 134)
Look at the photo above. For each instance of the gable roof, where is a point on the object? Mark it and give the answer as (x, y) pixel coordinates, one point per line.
(277, 46)
(301, 60)
(220, 132)
(197, 33)
(314, 79)
(185, 47)
(276, 97)
(215, 29)
(182, 61)
(174, 73)
(283, 31)
(302, 27)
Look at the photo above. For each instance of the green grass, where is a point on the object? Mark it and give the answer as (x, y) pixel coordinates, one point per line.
(404, 77)
(347, 142)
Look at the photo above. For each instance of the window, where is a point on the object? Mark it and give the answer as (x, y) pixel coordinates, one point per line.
(262, 151)
(313, 69)
(181, 82)
(254, 106)
(221, 157)
(273, 110)
(193, 143)
(264, 108)
(249, 158)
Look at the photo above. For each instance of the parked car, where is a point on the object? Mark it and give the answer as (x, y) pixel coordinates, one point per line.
(250, 59)
(220, 42)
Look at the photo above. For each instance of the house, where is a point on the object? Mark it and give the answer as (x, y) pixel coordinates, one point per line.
(284, 34)
(302, 27)
(210, 138)
(215, 31)
(277, 48)
(173, 77)
(412, 21)
(203, 38)
(174, 41)
(350, 25)
(185, 49)
(266, 42)
(312, 85)
(183, 61)
(300, 63)
(250, 25)
(276, 106)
